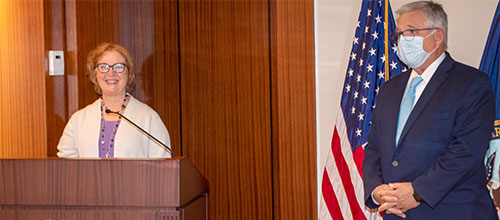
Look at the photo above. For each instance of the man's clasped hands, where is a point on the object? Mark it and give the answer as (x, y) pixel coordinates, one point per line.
(395, 198)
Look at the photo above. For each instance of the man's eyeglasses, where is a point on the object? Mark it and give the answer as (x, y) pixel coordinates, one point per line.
(408, 34)
(117, 67)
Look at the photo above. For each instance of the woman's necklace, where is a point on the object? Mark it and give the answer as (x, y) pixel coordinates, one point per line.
(102, 139)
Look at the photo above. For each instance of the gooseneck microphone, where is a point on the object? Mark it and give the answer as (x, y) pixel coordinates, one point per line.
(162, 145)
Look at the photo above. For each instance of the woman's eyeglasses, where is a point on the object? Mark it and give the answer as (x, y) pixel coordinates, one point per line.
(117, 67)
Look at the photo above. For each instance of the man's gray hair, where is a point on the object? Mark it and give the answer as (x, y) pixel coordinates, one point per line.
(436, 17)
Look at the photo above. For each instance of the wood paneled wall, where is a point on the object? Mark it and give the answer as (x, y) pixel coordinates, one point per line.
(293, 110)
(232, 80)
(226, 121)
(22, 88)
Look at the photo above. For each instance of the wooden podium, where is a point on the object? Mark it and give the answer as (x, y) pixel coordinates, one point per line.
(53, 188)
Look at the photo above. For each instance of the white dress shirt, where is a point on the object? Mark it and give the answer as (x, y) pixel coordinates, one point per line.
(426, 76)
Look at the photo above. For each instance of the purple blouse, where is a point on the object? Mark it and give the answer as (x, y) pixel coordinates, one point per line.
(106, 140)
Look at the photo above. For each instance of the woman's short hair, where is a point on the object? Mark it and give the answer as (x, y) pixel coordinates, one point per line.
(97, 53)
(434, 12)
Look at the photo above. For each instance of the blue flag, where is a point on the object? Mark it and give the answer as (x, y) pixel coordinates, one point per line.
(489, 65)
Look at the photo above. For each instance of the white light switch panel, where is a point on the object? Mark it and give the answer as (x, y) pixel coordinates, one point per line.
(56, 63)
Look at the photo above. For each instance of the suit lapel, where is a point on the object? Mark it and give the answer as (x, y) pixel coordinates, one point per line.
(437, 79)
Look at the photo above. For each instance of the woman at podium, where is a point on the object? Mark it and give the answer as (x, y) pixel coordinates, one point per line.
(98, 130)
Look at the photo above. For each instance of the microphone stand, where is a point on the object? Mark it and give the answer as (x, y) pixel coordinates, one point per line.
(162, 145)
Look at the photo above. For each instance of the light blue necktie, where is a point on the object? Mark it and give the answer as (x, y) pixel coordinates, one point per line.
(407, 106)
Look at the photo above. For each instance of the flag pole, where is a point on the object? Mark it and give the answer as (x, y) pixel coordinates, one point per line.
(386, 40)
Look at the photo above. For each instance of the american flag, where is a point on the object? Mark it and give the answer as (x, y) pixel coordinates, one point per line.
(371, 63)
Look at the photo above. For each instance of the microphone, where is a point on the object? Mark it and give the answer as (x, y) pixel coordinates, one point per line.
(162, 145)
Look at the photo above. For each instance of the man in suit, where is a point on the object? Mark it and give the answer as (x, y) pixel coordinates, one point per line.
(430, 129)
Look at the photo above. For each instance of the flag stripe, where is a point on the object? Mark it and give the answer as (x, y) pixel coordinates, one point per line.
(330, 198)
(358, 156)
(345, 175)
(338, 188)
(324, 212)
(349, 158)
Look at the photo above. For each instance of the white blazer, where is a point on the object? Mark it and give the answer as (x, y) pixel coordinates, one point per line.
(81, 135)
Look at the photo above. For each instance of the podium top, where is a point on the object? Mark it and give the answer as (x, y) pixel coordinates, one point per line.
(100, 182)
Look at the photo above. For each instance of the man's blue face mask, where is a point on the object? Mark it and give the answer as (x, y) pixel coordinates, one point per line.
(411, 50)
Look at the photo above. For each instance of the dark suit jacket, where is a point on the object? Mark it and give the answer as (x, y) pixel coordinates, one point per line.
(441, 149)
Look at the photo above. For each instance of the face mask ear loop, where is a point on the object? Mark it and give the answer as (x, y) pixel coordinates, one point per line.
(434, 49)
(433, 31)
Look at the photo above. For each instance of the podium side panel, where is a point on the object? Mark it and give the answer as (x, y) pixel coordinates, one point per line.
(192, 183)
(197, 210)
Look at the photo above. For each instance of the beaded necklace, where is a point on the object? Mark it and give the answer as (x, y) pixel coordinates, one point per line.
(108, 149)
